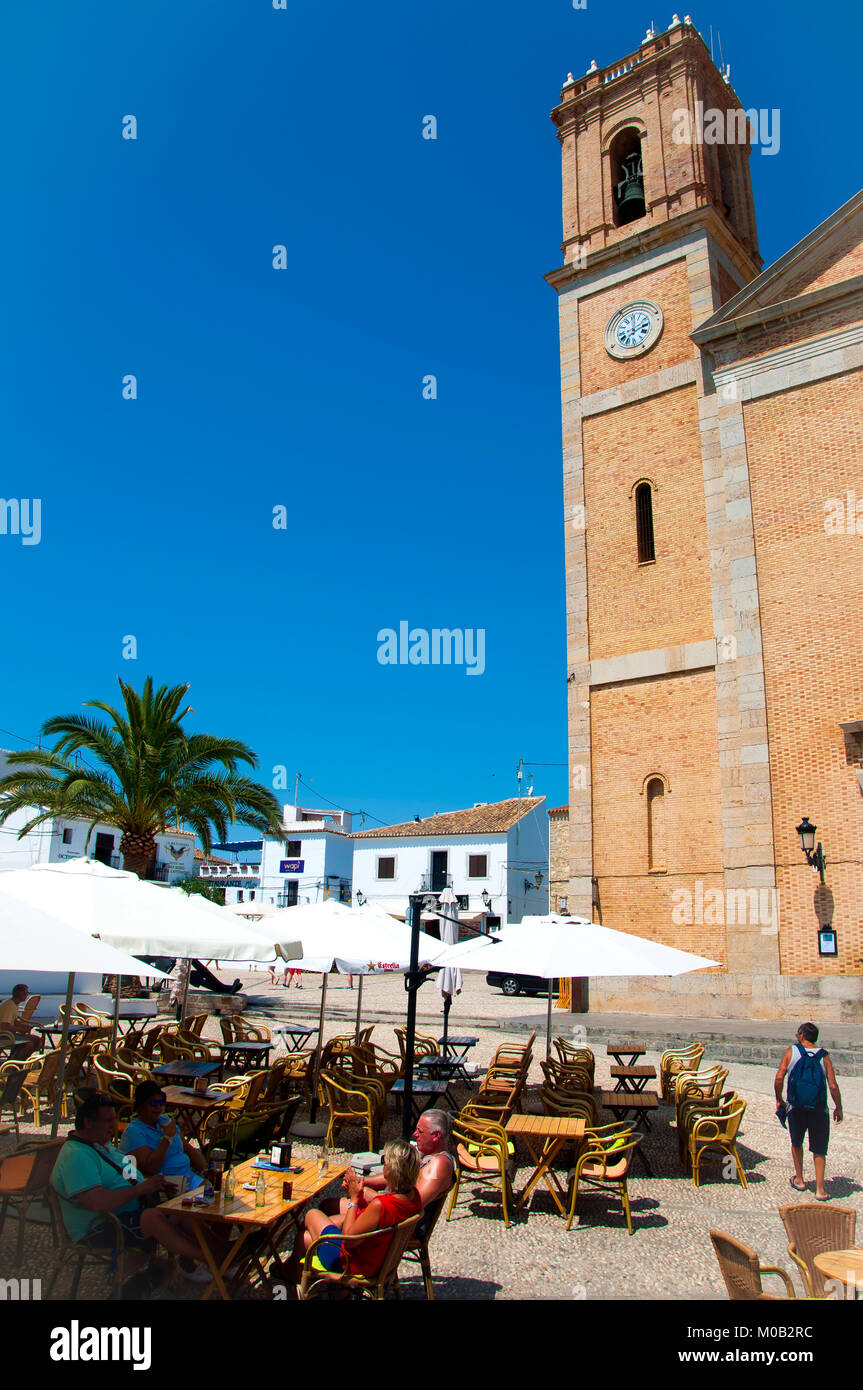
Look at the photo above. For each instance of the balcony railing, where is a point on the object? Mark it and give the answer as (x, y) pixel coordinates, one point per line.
(434, 883)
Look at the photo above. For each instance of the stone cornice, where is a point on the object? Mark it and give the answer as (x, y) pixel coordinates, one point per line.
(799, 306)
(795, 365)
(660, 234)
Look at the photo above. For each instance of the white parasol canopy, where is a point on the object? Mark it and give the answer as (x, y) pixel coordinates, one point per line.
(139, 917)
(353, 940)
(554, 946)
(31, 939)
(449, 980)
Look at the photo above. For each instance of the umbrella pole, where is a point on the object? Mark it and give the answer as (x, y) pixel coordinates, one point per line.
(64, 1048)
(313, 1113)
(359, 1010)
(116, 1021)
(548, 1023)
(447, 1005)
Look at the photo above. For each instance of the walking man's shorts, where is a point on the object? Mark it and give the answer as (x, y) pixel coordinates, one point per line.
(816, 1122)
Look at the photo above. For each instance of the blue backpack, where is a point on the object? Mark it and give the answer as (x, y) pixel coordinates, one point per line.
(807, 1084)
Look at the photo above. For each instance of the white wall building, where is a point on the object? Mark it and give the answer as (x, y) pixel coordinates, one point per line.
(490, 855)
(69, 837)
(309, 861)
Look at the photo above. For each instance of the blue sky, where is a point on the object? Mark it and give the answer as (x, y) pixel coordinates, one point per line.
(302, 388)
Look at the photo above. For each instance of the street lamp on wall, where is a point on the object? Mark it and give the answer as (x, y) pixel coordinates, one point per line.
(360, 897)
(486, 899)
(814, 857)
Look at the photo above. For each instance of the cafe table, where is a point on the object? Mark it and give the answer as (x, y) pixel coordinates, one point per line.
(296, 1035)
(247, 1054)
(192, 1110)
(544, 1136)
(625, 1054)
(185, 1071)
(425, 1092)
(844, 1266)
(260, 1229)
(456, 1046)
(632, 1079)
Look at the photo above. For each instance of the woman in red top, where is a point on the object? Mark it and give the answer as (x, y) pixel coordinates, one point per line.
(398, 1203)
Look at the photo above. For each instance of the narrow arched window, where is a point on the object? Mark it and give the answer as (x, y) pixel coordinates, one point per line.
(644, 523)
(656, 826)
(627, 178)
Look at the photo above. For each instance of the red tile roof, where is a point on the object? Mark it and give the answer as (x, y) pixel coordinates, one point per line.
(487, 819)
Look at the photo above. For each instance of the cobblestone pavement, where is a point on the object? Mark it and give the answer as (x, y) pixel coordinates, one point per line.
(475, 1257)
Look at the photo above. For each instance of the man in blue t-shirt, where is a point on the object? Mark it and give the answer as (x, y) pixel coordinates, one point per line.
(810, 1073)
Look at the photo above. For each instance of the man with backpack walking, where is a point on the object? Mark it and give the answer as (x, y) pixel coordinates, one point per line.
(810, 1073)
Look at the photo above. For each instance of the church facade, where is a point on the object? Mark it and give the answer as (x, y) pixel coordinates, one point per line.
(714, 550)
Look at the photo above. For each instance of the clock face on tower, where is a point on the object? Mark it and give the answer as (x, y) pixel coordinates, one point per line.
(634, 329)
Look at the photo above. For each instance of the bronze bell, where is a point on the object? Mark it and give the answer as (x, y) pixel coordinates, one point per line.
(629, 193)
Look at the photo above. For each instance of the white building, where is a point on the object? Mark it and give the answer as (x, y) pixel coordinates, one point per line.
(310, 860)
(493, 856)
(71, 837)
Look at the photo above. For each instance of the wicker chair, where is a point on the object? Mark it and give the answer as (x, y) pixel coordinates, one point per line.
(742, 1271)
(117, 1084)
(567, 1076)
(569, 1052)
(250, 1032)
(353, 1102)
(40, 1084)
(717, 1132)
(570, 1103)
(812, 1229)
(111, 1258)
(604, 1165)
(13, 1074)
(674, 1060)
(417, 1248)
(482, 1154)
(24, 1177)
(424, 1046)
(316, 1281)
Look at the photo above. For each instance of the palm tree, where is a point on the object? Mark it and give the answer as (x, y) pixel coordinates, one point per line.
(151, 774)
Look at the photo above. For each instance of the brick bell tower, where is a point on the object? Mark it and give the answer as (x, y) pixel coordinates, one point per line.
(658, 232)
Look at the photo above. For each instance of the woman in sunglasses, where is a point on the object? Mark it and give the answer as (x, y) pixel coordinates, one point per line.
(152, 1139)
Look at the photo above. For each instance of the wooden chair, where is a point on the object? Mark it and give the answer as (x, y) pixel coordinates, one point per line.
(482, 1154)
(315, 1281)
(717, 1132)
(742, 1271)
(568, 1053)
(40, 1084)
(24, 1176)
(424, 1046)
(357, 1103)
(417, 1248)
(250, 1032)
(29, 1008)
(813, 1228)
(693, 1109)
(674, 1060)
(13, 1074)
(604, 1165)
(567, 1076)
(111, 1258)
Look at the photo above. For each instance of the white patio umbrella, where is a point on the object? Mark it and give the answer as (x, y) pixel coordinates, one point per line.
(254, 909)
(354, 941)
(449, 980)
(555, 946)
(139, 917)
(33, 939)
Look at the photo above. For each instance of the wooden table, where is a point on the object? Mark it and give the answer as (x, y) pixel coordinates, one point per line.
(625, 1053)
(455, 1048)
(254, 1054)
(424, 1092)
(845, 1266)
(193, 1110)
(187, 1071)
(632, 1079)
(551, 1132)
(296, 1035)
(624, 1103)
(270, 1222)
